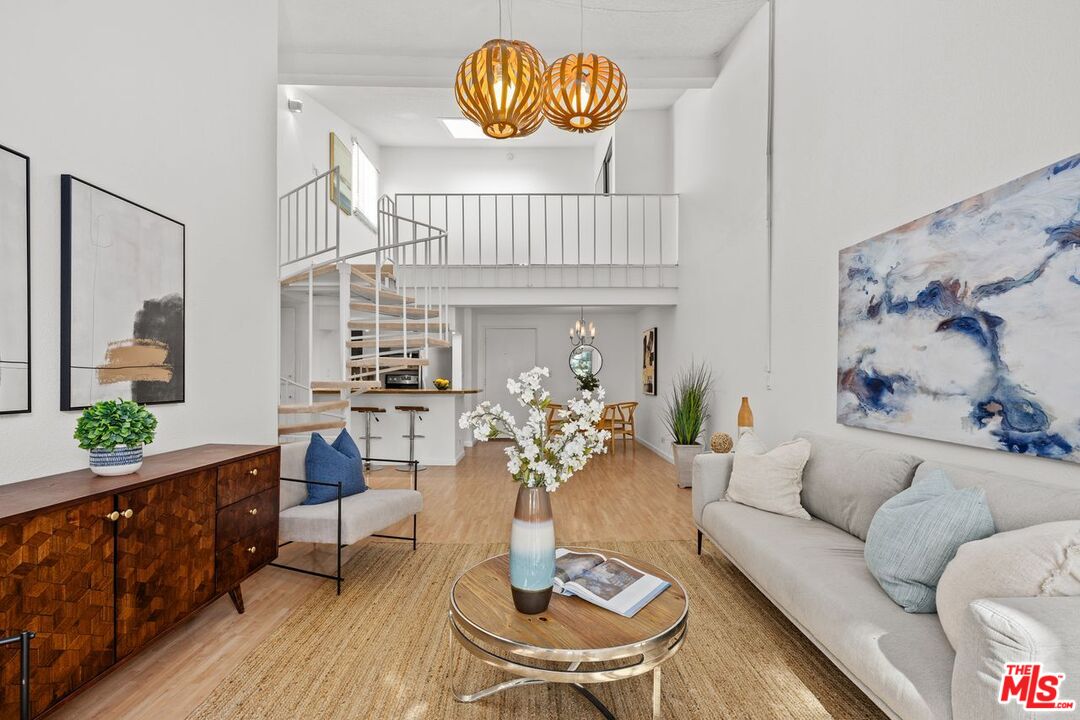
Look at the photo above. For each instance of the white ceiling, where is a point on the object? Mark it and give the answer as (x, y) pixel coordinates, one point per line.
(409, 116)
(441, 28)
(387, 66)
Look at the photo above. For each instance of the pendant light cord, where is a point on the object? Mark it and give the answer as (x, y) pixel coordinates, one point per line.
(500, 18)
(581, 37)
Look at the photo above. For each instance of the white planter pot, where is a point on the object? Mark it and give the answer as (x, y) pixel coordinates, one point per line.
(122, 460)
(684, 462)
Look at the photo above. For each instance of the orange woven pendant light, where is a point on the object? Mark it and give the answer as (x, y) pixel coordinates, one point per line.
(584, 92)
(498, 87)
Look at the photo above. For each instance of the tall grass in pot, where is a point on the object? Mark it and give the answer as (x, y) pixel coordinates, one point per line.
(685, 415)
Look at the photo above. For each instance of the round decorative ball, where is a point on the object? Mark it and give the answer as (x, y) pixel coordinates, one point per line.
(721, 442)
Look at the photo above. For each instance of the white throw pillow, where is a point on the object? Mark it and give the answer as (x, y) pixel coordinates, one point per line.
(770, 480)
(1041, 560)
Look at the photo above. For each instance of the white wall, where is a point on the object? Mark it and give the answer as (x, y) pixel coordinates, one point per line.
(486, 170)
(642, 157)
(120, 95)
(883, 112)
(303, 147)
(617, 339)
(719, 173)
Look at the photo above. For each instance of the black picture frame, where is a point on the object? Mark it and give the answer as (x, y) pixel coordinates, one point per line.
(29, 295)
(66, 271)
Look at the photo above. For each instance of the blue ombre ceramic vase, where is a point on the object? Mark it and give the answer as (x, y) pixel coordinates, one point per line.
(532, 551)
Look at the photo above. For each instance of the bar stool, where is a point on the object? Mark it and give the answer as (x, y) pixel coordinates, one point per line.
(414, 415)
(367, 437)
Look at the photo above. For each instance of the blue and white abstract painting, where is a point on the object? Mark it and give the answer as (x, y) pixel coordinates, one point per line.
(964, 325)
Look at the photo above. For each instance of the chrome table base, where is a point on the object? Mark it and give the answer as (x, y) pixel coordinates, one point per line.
(572, 675)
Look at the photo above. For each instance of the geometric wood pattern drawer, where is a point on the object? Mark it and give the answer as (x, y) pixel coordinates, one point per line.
(56, 579)
(244, 478)
(245, 517)
(235, 562)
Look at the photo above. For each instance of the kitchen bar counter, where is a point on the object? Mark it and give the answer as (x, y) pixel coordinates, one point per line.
(443, 442)
(423, 391)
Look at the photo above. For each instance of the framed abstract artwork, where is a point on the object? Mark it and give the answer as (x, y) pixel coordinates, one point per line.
(14, 282)
(962, 325)
(648, 362)
(122, 299)
(341, 157)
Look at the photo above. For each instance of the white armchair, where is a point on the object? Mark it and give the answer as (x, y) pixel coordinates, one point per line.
(342, 522)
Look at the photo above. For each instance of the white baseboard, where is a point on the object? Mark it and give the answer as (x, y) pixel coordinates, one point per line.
(664, 452)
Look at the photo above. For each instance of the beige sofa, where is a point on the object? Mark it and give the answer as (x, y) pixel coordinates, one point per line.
(814, 571)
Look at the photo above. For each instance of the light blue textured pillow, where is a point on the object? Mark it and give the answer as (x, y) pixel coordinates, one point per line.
(915, 534)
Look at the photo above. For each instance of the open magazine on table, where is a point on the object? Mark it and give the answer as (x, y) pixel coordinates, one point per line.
(608, 582)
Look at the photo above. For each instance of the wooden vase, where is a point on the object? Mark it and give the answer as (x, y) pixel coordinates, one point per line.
(746, 416)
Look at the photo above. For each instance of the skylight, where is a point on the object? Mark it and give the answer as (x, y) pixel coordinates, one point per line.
(463, 129)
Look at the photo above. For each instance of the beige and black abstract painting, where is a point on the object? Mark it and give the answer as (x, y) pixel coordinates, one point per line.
(122, 310)
(14, 282)
(648, 362)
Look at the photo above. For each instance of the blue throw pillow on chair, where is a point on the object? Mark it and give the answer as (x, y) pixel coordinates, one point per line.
(335, 463)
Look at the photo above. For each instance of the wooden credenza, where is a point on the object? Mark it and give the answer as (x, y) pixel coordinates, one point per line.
(99, 567)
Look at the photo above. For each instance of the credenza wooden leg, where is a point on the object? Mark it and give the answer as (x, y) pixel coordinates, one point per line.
(237, 597)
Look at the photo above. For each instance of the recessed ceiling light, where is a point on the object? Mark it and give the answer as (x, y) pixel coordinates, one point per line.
(463, 128)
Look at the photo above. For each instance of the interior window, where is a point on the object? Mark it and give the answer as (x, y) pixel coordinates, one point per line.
(365, 184)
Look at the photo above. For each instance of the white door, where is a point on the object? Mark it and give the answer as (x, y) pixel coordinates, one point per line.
(508, 352)
(289, 392)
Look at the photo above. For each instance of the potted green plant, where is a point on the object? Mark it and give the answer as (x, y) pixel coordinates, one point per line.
(685, 415)
(588, 382)
(115, 431)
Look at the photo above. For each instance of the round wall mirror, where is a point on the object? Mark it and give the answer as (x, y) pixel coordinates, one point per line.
(585, 360)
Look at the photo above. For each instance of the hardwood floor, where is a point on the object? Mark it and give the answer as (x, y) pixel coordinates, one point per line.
(627, 495)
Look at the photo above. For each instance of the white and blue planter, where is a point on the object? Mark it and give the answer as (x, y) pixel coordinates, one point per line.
(121, 460)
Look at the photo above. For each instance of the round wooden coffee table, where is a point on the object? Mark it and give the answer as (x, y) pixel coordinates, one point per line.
(484, 622)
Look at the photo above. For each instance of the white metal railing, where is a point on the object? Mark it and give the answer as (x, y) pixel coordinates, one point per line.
(308, 247)
(632, 238)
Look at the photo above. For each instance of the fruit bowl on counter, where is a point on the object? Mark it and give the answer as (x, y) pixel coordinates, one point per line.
(441, 383)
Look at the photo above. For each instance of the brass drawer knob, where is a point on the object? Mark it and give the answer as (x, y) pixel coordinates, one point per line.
(251, 549)
(128, 513)
(253, 511)
(114, 516)
(253, 472)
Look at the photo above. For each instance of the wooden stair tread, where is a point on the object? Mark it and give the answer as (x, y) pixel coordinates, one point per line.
(396, 326)
(394, 310)
(388, 362)
(310, 427)
(385, 296)
(303, 275)
(368, 270)
(316, 407)
(353, 386)
(414, 341)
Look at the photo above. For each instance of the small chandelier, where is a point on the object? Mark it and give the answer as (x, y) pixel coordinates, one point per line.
(498, 87)
(584, 92)
(582, 333)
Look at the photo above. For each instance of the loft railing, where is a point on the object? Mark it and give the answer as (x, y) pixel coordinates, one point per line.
(310, 246)
(619, 240)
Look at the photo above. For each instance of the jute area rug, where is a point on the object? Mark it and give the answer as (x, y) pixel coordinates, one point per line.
(382, 650)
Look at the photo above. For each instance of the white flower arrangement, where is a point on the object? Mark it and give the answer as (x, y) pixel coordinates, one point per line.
(540, 459)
